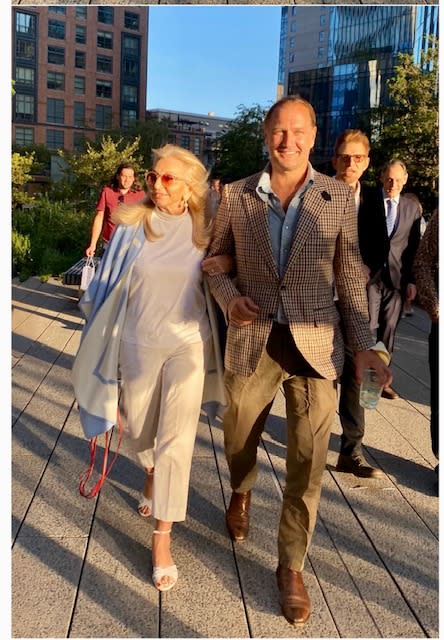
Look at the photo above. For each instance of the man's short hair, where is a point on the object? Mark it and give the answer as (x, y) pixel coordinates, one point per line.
(352, 135)
(393, 162)
(296, 99)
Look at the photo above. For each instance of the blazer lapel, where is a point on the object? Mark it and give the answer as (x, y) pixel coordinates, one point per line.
(312, 206)
(256, 212)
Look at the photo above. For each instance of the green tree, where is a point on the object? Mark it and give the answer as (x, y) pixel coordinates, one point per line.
(89, 170)
(408, 128)
(151, 134)
(241, 149)
(21, 168)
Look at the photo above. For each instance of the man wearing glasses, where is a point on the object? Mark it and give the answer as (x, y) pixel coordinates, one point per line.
(350, 161)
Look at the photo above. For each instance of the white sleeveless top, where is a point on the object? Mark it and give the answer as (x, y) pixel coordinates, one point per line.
(166, 304)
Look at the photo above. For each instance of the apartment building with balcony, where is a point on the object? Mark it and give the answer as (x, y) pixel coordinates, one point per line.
(78, 70)
(199, 133)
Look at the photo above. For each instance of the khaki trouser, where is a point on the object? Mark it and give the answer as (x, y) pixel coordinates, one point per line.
(160, 405)
(310, 406)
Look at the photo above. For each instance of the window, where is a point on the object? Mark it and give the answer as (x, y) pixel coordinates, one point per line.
(55, 139)
(105, 15)
(24, 76)
(57, 9)
(78, 141)
(129, 116)
(55, 80)
(56, 55)
(291, 57)
(25, 49)
(56, 29)
(25, 23)
(24, 136)
(321, 36)
(80, 60)
(81, 13)
(103, 117)
(55, 110)
(322, 19)
(292, 42)
(104, 64)
(185, 142)
(294, 11)
(24, 107)
(131, 45)
(293, 27)
(196, 146)
(80, 34)
(79, 84)
(131, 20)
(131, 69)
(79, 114)
(103, 88)
(105, 39)
(321, 52)
(129, 94)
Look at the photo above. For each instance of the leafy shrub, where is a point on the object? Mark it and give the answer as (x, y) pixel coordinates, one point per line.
(58, 234)
(21, 252)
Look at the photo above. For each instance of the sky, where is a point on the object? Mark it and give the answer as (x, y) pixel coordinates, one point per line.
(215, 58)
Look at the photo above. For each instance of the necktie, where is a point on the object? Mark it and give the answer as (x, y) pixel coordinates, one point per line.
(391, 216)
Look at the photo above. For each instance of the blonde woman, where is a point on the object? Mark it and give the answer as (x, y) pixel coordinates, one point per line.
(150, 285)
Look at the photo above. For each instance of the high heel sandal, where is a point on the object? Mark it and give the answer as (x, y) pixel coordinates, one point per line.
(160, 572)
(145, 502)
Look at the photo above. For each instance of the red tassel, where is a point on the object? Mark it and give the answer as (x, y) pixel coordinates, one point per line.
(92, 458)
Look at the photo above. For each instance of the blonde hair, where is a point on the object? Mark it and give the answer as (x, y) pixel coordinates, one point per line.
(196, 177)
(352, 135)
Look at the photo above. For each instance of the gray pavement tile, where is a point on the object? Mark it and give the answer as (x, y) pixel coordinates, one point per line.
(45, 576)
(367, 575)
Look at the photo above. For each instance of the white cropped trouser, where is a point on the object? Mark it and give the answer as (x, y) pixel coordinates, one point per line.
(160, 406)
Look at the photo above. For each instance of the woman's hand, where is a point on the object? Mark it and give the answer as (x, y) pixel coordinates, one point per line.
(218, 264)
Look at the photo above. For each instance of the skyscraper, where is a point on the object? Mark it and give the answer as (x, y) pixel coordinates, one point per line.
(340, 57)
(77, 70)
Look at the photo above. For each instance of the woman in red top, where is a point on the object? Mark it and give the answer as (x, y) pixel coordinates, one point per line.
(123, 187)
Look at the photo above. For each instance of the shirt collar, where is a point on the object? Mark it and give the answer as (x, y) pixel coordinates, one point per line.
(264, 189)
(386, 197)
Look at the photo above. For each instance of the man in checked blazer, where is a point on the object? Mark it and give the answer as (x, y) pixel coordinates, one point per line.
(292, 232)
(389, 253)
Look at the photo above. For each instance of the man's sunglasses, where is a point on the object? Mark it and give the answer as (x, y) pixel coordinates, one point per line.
(167, 179)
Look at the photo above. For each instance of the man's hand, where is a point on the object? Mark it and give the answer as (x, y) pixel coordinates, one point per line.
(242, 311)
(410, 293)
(370, 360)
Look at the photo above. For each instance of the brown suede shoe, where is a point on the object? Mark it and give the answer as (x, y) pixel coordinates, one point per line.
(238, 518)
(294, 600)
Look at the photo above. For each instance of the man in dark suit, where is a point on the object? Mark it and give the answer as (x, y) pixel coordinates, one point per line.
(389, 234)
(292, 232)
(350, 160)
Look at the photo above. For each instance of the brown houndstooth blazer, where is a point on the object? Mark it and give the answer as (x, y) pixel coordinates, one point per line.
(325, 249)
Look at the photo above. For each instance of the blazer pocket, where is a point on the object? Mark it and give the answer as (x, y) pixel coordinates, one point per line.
(326, 315)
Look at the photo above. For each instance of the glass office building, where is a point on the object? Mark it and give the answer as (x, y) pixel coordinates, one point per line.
(340, 58)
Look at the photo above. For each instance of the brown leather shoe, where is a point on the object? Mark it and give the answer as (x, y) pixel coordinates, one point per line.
(238, 517)
(294, 600)
(389, 393)
(358, 466)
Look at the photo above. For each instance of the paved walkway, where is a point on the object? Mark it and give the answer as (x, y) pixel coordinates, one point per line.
(80, 568)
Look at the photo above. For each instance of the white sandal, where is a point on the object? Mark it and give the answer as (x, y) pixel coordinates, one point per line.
(160, 572)
(145, 502)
